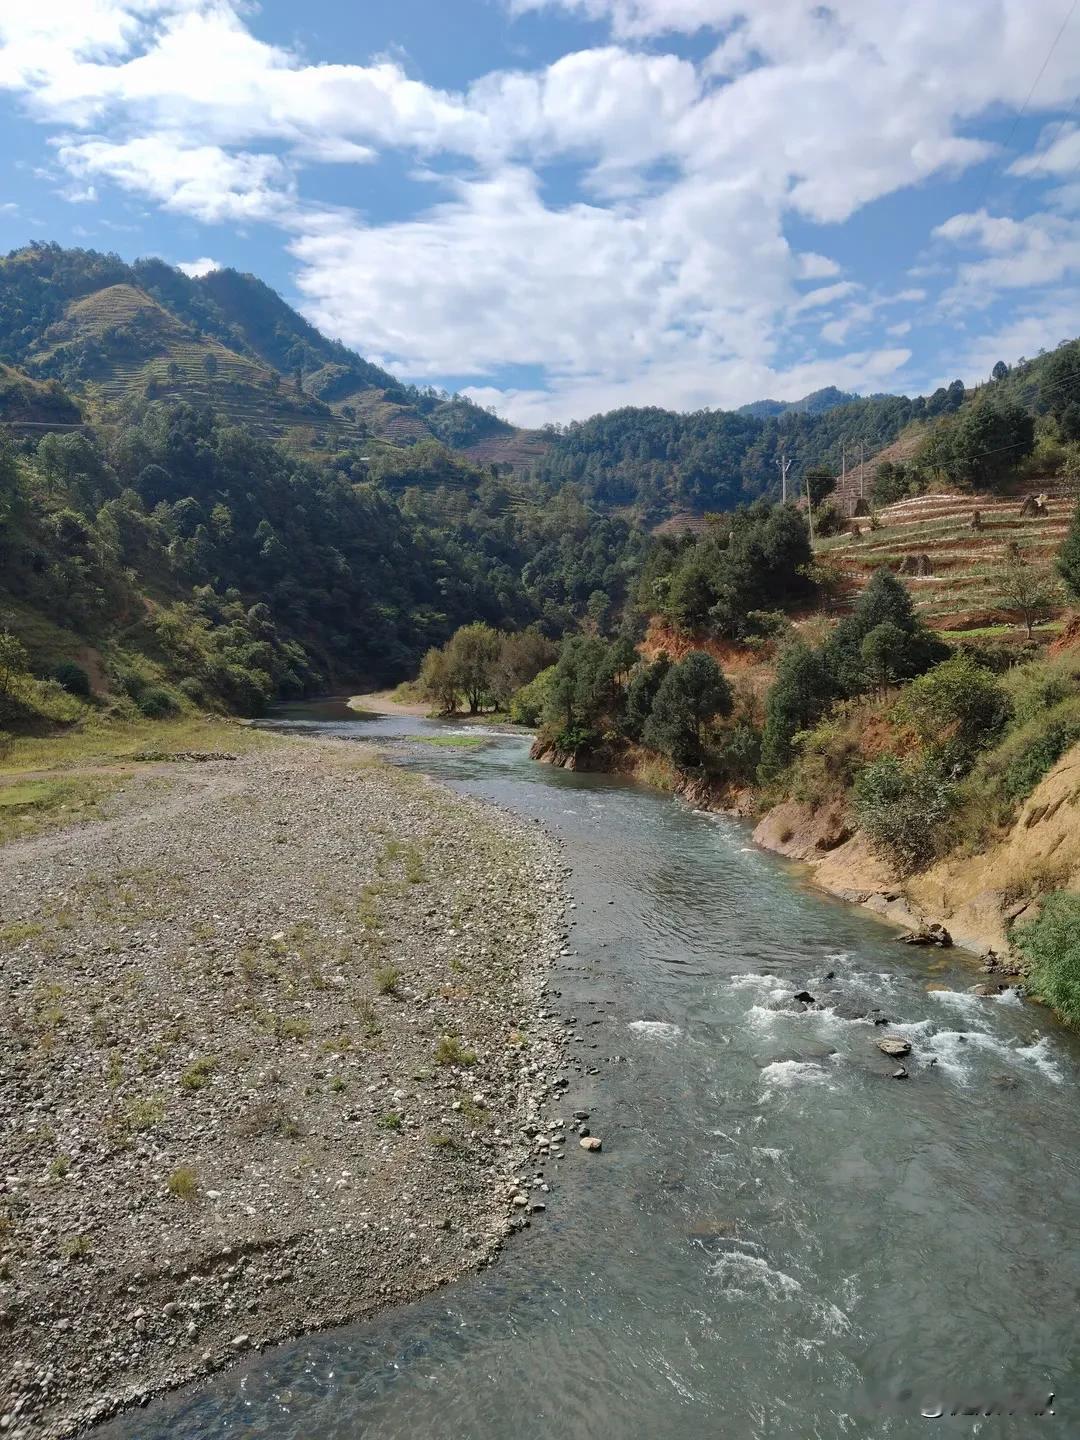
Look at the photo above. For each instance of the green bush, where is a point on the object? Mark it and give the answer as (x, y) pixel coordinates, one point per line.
(156, 703)
(1039, 757)
(72, 678)
(902, 807)
(192, 689)
(527, 704)
(957, 704)
(1052, 946)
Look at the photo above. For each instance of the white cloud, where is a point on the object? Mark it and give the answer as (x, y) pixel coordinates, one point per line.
(1058, 154)
(201, 180)
(1040, 250)
(674, 272)
(196, 269)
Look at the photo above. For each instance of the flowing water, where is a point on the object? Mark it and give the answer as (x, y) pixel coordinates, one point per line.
(779, 1240)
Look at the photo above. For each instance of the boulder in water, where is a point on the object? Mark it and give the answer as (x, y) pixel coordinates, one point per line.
(933, 934)
(894, 1045)
(591, 1142)
(805, 997)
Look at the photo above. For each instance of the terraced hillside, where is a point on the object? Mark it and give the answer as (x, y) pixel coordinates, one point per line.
(954, 570)
(521, 450)
(130, 345)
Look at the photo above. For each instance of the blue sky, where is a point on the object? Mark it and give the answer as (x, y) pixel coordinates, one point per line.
(561, 206)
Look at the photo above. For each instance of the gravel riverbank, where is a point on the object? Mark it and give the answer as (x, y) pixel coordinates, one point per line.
(273, 1055)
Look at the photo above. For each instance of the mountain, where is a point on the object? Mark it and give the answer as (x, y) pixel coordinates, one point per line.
(816, 403)
(118, 332)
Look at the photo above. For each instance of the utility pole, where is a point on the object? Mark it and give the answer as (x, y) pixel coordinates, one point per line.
(862, 470)
(785, 465)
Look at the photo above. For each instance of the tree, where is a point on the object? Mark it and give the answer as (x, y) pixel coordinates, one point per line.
(691, 694)
(820, 482)
(522, 655)
(14, 659)
(436, 683)
(641, 693)
(1068, 558)
(999, 371)
(471, 655)
(882, 651)
(1025, 589)
(210, 364)
(582, 690)
(885, 600)
(803, 690)
(991, 439)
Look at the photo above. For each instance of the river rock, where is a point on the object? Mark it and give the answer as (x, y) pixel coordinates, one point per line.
(894, 1045)
(591, 1142)
(933, 934)
(805, 997)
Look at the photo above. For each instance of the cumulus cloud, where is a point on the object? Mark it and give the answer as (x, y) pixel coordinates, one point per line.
(1042, 249)
(196, 269)
(668, 268)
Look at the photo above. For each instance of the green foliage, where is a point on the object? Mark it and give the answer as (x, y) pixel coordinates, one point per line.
(820, 481)
(902, 806)
(957, 708)
(713, 460)
(985, 445)
(883, 651)
(641, 693)
(72, 678)
(527, 704)
(1068, 559)
(584, 691)
(801, 694)
(1025, 588)
(14, 660)
(884, 601)
(1039, 756)
(755, 560)
(691, 695)
(156, 703)
(1052, 946)
(436, 684)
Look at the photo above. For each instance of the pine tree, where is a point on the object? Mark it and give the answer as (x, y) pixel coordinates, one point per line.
(690, 695)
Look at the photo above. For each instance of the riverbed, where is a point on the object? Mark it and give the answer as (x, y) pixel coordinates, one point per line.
(778, 1239)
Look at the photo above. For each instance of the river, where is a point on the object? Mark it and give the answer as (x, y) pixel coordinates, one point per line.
(779, 1240)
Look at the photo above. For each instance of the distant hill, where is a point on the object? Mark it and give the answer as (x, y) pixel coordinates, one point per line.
(816, 403)
(96, 324)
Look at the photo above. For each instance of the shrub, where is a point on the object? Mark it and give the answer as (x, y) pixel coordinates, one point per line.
(197, 1075)
(902, 808)
(183, 1183)
(957, 703)
(192, 689)
(1039, 757)
(72, 678)
(450, 1051)
(156, 703)
(1052, 945)
(387, 979)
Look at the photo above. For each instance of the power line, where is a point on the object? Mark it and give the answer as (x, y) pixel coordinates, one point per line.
(996, 171)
